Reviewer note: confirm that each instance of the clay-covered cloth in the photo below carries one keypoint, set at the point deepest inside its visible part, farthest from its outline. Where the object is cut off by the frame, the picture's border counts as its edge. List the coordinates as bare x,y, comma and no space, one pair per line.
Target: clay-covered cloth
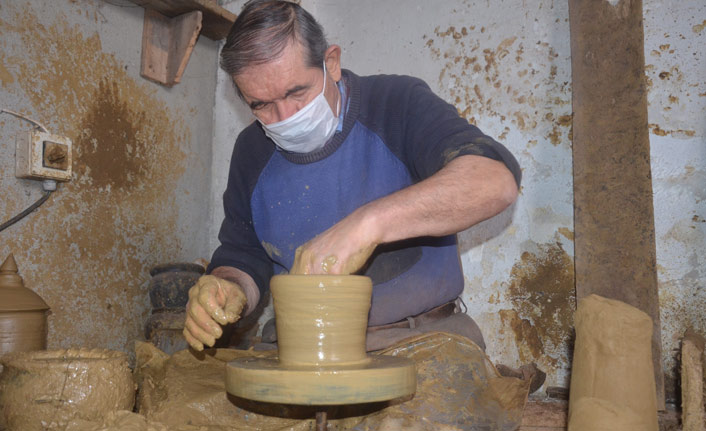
457,389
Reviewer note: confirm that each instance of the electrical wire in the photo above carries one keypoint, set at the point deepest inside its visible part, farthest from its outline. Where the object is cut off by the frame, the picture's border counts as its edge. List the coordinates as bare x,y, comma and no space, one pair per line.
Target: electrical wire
26,212
18,115
48,185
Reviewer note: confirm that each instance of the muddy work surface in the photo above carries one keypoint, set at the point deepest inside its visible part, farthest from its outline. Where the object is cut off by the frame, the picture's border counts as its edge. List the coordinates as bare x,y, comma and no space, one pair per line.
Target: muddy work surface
458,388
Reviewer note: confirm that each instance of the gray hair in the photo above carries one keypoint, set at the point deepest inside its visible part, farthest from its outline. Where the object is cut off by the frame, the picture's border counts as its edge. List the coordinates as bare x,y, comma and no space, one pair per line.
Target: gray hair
264,29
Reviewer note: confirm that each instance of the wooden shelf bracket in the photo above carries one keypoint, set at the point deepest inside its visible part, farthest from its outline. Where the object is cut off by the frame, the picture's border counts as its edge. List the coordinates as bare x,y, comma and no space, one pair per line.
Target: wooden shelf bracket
170,31
167,44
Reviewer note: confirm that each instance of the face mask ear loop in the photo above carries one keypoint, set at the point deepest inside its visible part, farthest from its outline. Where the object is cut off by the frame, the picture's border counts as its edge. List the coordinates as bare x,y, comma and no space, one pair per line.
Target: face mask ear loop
338,102
323,91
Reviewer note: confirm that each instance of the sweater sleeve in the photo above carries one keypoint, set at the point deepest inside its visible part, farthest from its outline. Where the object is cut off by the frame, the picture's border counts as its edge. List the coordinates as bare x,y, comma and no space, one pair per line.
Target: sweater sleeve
426,132
240,247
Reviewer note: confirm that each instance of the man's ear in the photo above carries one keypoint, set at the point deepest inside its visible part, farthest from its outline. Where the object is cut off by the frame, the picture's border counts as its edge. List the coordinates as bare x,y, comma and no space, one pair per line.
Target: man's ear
332,57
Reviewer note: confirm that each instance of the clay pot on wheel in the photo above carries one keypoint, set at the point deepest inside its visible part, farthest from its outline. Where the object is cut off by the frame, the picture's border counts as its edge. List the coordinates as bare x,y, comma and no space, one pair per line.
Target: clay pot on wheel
321,325
48,389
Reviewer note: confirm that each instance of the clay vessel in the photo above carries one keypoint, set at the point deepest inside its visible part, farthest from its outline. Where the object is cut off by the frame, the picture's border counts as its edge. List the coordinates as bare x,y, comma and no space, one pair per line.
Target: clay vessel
321,319
169,293
47,389
170,284
23,313
164,329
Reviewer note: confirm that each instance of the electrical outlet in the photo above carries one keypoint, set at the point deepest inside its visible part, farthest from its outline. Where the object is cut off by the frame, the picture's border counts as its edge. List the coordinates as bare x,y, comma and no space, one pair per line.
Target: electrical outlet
42,156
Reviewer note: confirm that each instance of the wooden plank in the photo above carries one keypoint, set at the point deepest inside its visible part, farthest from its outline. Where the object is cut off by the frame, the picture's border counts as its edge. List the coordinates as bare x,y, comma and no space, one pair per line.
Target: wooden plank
217,20
615,254
167,44
184,35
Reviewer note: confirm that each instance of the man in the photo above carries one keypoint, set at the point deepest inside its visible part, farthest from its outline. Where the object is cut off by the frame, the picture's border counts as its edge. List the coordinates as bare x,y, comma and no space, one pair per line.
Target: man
344,174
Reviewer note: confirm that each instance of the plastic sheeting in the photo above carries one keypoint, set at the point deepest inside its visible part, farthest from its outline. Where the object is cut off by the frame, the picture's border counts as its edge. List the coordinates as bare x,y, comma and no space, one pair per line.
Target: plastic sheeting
458,388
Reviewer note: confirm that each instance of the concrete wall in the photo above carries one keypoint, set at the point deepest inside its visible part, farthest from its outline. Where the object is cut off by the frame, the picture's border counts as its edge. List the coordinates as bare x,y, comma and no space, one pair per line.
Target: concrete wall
142,164
675,59
506,67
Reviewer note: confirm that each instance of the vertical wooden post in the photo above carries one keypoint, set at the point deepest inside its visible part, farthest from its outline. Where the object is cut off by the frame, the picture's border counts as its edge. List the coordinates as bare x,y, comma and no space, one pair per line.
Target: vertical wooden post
615,253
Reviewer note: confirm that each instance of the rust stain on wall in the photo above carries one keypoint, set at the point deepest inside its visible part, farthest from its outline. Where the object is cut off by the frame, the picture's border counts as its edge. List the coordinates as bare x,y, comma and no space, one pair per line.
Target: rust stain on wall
88,250
110,150
483,80
699,27
567,233
655,129
542,294
6,77
529,344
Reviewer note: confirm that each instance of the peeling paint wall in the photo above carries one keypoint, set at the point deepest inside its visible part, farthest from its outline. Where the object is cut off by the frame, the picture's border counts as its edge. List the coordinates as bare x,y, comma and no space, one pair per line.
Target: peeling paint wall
141,164
675,59
505,65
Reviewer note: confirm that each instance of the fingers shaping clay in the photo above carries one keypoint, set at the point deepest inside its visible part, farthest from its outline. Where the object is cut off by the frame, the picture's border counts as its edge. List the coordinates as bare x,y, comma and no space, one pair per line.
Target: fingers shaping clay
42,390
612,379
321,324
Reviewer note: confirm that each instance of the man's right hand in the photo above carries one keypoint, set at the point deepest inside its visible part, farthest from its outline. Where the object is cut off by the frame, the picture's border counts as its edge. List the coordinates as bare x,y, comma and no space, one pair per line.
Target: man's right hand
212,301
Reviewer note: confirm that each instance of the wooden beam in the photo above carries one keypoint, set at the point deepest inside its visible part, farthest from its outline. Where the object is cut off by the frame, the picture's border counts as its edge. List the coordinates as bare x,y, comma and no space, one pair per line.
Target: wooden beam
217,20
615,254
167,44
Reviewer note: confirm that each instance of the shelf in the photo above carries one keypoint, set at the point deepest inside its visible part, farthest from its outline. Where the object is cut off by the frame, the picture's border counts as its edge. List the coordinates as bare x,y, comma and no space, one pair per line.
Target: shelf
170,31
217,20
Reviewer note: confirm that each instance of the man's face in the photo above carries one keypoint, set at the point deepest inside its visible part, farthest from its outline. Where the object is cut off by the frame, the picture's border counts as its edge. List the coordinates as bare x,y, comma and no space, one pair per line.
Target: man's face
278,89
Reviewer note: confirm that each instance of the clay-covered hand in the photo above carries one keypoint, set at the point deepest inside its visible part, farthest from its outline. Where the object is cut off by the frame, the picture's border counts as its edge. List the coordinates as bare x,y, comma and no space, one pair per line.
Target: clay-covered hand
212,301
342,249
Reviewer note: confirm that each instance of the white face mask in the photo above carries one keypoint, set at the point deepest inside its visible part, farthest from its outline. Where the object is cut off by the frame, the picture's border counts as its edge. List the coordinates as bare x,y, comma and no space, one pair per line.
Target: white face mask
308,129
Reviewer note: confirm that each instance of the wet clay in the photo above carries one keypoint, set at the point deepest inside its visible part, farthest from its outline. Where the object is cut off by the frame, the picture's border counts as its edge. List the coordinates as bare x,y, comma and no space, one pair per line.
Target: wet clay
321,320
458,389
62,386
353,264
321,326
381,378
612,374
118,421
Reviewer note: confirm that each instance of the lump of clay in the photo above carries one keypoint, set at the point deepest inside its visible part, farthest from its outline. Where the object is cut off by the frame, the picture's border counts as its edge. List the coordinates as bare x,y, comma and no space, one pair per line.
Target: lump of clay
612,374
62,386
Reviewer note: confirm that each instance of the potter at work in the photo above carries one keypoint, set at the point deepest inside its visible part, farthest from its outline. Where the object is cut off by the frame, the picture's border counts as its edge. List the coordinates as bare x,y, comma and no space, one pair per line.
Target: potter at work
408,215
344,174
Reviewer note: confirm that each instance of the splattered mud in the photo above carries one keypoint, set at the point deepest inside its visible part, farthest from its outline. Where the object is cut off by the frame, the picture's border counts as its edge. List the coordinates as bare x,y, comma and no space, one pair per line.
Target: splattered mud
115,219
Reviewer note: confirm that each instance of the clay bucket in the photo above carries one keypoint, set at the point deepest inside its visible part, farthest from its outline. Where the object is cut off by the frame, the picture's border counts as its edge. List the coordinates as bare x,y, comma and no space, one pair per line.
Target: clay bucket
321,319
42,390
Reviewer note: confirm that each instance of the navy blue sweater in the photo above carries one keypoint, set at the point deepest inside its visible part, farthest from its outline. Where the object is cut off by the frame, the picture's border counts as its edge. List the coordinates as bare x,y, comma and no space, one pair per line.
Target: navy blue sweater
396,132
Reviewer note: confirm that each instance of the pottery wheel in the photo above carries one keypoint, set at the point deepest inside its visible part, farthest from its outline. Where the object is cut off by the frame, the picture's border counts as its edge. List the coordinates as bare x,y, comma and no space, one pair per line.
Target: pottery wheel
265,379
